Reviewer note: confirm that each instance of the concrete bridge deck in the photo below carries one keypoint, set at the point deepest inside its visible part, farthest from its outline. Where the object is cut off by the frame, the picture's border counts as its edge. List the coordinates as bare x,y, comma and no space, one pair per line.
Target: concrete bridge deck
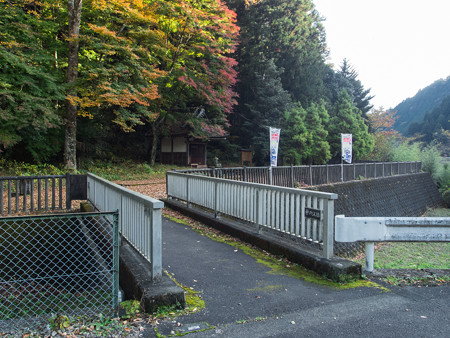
245,298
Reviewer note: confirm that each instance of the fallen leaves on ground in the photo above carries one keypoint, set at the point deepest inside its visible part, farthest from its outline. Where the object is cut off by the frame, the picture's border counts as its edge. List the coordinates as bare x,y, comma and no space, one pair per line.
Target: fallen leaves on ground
155,188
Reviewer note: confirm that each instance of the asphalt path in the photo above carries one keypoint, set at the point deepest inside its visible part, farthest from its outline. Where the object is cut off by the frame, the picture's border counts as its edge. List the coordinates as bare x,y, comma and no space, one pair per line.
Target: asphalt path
246,299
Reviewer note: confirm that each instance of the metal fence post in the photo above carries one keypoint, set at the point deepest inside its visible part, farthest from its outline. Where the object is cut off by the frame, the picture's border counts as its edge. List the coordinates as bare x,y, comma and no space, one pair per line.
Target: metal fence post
68,200
116,262
370,253
245,174
156,240
328,229
292,176
188,204
270,176
216,197
328,175
258,210
167,184
310,175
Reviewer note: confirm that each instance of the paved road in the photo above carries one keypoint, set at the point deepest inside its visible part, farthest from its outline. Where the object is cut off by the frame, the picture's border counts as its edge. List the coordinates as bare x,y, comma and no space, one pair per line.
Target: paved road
244,299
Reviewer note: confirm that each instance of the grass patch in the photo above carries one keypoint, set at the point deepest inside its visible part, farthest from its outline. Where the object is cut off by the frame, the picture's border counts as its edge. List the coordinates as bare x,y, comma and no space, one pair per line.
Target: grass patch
413,255
438,212
417,281
405,255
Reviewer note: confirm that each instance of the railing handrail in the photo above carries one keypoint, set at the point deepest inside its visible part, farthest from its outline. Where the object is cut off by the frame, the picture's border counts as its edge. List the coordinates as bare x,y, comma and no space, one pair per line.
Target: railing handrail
311,175
295,166
156,204
140,221
5,178
318,194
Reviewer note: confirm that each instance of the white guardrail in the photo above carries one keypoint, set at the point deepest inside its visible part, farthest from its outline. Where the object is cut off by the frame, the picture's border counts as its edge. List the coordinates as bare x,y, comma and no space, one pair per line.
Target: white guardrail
300,213
390,229
139,218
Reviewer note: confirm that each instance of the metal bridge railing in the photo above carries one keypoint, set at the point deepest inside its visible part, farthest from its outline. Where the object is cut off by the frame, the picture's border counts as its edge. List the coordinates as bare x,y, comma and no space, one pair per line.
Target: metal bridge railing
140,218
24,194
298,176
57,264
297,213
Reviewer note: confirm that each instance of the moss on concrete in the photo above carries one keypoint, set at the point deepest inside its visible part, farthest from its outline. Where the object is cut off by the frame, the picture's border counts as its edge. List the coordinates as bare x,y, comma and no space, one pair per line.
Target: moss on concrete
194,302
278,265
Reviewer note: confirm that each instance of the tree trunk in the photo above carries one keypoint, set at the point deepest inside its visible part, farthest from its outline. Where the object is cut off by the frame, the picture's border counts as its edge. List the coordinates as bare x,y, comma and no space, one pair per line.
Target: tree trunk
155,137
70,142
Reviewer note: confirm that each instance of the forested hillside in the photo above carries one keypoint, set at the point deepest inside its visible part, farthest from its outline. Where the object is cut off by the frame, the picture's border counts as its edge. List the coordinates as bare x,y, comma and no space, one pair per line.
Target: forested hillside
105,79
435,126
411,112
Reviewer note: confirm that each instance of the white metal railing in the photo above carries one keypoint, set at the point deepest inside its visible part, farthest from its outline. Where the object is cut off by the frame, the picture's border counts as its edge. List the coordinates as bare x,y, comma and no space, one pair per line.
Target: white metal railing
300,213
310,174
391,229
139,217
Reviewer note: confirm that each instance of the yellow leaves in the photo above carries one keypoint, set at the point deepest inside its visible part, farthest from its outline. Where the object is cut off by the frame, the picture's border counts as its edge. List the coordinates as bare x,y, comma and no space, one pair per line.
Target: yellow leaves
102,30
84,113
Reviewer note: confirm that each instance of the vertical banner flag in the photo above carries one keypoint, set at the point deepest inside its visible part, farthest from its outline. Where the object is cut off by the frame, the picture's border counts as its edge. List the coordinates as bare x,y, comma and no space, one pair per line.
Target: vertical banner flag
346,147
274,140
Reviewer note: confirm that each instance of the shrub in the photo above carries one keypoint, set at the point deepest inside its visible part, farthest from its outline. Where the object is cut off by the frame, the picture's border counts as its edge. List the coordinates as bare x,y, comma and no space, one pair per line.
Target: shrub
431,158
446,197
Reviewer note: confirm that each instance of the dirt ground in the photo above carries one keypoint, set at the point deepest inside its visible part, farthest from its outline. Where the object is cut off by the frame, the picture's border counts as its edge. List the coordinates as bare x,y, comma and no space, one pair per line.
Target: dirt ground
155,188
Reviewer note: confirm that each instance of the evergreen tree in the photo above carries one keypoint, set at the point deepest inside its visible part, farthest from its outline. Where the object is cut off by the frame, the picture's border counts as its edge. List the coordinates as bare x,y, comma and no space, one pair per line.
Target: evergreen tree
290,35
346,118
347,78
265,105
289,32
317,149
305,136
31,83
293,141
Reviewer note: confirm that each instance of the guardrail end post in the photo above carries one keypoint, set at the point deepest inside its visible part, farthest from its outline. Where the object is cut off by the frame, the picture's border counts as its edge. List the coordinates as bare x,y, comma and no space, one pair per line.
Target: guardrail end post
370,253
156,248
328,229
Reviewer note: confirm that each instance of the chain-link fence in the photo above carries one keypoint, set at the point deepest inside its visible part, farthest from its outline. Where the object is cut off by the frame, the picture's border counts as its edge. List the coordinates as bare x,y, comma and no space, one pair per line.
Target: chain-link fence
57,265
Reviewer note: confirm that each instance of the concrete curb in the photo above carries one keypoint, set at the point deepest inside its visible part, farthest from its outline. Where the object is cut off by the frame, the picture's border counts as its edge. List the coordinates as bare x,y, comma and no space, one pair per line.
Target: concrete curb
136,282
335,268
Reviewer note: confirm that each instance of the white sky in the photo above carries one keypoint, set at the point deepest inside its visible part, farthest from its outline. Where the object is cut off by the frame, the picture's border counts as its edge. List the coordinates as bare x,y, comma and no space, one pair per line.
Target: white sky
396,46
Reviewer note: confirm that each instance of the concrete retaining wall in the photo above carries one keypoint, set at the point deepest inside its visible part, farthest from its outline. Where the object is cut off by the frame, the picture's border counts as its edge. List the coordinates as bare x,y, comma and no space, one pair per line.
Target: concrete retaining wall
397,196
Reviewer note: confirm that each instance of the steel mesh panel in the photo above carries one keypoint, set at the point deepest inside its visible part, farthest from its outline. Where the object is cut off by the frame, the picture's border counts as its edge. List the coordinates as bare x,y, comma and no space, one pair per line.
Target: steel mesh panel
58,264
